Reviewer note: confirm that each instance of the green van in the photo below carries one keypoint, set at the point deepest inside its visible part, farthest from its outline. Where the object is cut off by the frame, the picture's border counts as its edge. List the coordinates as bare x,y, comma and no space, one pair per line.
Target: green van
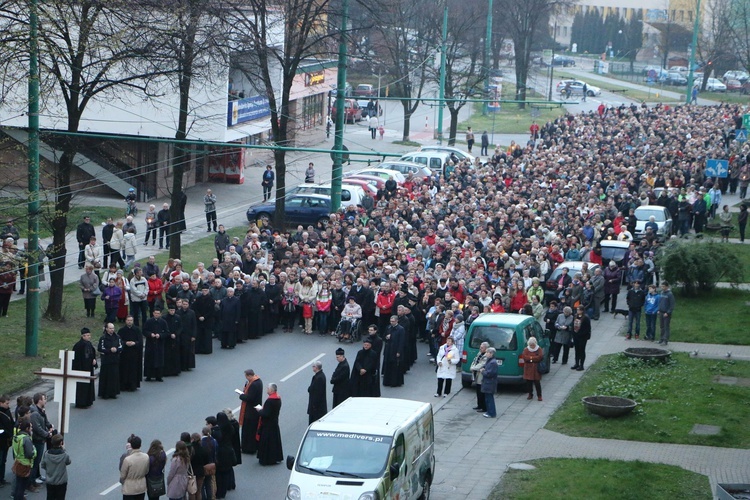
508,334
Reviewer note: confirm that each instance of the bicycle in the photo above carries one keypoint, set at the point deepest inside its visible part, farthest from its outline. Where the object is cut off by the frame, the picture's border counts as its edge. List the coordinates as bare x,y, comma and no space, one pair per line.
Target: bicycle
566,94
132,208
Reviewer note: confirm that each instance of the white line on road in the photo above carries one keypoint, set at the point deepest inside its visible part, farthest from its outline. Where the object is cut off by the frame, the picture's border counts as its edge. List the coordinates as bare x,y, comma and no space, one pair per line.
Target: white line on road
306,365
117,485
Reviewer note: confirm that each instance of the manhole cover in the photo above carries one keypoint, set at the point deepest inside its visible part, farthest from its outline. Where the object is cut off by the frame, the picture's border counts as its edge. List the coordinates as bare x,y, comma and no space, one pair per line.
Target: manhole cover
725,380
705,430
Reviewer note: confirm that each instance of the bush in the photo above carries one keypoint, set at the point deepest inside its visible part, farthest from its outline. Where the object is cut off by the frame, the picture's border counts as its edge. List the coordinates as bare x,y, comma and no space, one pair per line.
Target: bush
699,265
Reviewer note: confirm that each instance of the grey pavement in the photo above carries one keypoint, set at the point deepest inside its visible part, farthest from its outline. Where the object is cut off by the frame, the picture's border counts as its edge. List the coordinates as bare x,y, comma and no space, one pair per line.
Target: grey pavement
517,433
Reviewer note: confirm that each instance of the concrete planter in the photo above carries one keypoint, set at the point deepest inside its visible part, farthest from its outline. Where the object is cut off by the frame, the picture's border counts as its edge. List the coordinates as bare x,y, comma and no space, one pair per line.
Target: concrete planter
609,406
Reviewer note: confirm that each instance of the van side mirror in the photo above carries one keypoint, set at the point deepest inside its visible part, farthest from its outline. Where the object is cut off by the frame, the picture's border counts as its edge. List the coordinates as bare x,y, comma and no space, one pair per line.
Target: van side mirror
394,470
289,462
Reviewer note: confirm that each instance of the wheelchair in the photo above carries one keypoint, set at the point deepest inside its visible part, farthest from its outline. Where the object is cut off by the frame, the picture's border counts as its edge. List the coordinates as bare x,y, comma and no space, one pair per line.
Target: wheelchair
350,328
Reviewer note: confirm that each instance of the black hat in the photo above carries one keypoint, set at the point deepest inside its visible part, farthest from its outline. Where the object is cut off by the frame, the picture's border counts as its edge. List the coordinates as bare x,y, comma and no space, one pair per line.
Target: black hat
85,330
367,341
404,288
211,420
205,286
339,352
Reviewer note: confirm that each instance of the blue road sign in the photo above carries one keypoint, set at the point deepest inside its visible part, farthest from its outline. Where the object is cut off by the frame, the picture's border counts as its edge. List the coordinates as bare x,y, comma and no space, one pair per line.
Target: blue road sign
717,168
740,135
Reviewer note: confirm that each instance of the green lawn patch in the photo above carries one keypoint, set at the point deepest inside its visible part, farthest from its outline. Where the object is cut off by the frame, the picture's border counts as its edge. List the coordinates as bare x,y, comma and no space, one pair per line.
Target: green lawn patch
17,210
17,370
672,397
575,478
510,119
721,317
728,97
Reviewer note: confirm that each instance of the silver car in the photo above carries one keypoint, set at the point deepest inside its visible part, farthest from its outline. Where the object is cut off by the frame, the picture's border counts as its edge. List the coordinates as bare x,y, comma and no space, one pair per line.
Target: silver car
662,218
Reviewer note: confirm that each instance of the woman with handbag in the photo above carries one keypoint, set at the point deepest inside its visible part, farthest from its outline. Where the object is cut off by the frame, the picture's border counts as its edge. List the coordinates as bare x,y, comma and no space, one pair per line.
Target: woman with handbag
198,462
532,355
24,453
177,481
155,478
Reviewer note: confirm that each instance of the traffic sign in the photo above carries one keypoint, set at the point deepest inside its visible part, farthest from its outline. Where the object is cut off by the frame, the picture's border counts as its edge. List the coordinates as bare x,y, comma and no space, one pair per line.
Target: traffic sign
746,121
717,168
740,135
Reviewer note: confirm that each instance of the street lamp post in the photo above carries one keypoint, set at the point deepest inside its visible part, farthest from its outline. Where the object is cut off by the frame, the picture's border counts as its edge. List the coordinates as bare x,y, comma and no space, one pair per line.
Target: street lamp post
488,51
696,27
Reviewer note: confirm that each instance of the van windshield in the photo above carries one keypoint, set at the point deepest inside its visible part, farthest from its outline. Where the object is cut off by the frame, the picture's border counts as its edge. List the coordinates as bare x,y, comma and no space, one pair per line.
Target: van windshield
501,338
342,453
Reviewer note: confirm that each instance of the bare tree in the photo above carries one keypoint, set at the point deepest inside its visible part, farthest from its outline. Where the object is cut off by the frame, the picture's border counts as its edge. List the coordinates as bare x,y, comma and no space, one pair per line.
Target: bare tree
407,46
88,50
713,48
275,37
740,31
464,77
524,20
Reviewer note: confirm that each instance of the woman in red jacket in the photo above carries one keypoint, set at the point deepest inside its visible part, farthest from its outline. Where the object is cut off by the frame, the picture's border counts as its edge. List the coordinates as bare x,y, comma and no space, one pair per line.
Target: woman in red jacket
519,299
155,290
532,355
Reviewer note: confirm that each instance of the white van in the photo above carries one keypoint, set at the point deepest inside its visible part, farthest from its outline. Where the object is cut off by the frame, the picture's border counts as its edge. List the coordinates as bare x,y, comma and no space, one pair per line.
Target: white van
351,194
435,160
366,449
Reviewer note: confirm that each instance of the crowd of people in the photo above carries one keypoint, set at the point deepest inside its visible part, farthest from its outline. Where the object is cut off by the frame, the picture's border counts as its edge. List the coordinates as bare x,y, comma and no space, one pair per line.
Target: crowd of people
421,263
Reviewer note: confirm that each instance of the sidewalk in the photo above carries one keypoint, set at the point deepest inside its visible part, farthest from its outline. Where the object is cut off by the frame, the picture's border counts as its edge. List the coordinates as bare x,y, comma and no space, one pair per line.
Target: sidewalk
518,433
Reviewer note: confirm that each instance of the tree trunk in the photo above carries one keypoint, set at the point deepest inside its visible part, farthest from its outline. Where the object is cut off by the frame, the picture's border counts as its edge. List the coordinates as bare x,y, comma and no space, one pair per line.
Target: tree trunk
59,229
279,158
407,120
453,125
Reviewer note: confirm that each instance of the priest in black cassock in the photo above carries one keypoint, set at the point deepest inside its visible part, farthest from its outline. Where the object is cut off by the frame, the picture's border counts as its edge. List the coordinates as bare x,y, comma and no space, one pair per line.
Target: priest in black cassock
394,355
189,324
172,366
364,381
155,330
85,361
131,359
109,349
204,312
340,379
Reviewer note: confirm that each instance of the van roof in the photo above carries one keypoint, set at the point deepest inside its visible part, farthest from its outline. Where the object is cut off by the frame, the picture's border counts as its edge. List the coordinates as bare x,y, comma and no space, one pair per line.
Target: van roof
381,416
507,319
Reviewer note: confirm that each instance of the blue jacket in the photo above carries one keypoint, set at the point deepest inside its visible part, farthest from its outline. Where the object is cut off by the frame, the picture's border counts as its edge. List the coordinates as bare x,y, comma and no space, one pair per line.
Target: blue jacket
652,303
489,377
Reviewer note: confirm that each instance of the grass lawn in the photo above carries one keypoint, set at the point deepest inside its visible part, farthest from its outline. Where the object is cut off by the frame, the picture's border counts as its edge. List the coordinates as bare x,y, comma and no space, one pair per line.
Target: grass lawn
19,213
668,406
638,95
729,97
574,478
509,120
17,369
722,317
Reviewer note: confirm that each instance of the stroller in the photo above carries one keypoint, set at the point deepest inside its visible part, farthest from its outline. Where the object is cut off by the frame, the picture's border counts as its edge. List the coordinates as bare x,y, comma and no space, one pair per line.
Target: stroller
348,329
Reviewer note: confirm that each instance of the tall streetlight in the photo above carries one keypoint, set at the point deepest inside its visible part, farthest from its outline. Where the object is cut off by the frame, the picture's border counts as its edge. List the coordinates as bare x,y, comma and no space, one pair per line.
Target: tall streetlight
441,91
487,51
696,27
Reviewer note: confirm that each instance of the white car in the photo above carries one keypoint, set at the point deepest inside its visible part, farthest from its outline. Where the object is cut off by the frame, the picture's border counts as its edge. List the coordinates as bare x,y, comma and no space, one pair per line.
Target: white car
740,75
576,88
382,173
462,155
662,218
713,85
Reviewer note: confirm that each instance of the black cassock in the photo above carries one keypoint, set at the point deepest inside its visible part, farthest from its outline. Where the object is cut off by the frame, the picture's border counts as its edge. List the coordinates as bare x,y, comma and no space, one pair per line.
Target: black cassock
394,356
131,359
109,373
340,381
256,298
172,366
270,451
153,359
187,339
204,308
249,416
367,385
317,405
85,356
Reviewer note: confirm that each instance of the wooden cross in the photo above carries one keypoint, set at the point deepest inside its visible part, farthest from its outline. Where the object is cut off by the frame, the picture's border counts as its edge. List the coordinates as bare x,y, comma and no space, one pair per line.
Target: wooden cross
65,379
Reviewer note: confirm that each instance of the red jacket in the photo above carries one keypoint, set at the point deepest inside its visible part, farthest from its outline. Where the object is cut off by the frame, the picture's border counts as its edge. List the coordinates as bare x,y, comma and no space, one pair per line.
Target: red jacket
384,301
155,288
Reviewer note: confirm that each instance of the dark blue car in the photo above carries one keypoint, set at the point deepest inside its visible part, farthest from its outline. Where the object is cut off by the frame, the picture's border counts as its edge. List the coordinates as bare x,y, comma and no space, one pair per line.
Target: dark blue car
303,209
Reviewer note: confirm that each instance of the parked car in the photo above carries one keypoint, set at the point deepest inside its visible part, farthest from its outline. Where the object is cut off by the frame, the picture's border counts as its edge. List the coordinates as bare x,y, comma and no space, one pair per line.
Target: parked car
302,209
564,61
383,174
713,85
351,194
574,266
352,111
675,78
365,90
406,168
740,75
460,154
733,85
434,160
614,250
680,69
576,88
372,180
369,187
508,334
348,91
663,221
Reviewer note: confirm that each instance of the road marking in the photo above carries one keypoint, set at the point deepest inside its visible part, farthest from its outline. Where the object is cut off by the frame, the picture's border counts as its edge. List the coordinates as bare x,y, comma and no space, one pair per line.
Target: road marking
306,365
117,485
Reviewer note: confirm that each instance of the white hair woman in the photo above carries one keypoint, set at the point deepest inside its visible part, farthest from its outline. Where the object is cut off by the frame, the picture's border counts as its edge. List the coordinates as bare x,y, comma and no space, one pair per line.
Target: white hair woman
532,355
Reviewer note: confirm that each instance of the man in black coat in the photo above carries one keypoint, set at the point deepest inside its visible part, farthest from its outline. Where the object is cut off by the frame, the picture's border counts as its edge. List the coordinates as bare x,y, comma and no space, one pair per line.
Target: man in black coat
581,335
189,330
172,366
368,303
109,349
317,403
230,318
364,382
204,311
131,359
251,396
84,233
107,231
221,243
256,301
340,379
85,361
162,221
394,354
156,331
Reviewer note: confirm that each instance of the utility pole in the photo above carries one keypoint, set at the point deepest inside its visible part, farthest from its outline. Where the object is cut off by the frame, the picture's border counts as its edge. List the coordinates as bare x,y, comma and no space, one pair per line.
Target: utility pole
487,52
694,48
443,48
552,60
338,142
32,275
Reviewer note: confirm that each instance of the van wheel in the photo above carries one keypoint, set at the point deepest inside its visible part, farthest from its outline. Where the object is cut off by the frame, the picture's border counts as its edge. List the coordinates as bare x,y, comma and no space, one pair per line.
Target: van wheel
465,383
425,490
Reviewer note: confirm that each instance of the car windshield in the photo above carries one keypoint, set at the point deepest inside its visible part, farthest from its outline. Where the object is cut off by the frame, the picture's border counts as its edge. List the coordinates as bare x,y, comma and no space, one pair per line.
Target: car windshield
643,214
342,453
501,338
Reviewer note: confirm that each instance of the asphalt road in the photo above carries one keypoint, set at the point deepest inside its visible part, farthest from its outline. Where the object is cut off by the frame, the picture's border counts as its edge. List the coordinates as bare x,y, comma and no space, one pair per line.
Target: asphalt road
164,410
